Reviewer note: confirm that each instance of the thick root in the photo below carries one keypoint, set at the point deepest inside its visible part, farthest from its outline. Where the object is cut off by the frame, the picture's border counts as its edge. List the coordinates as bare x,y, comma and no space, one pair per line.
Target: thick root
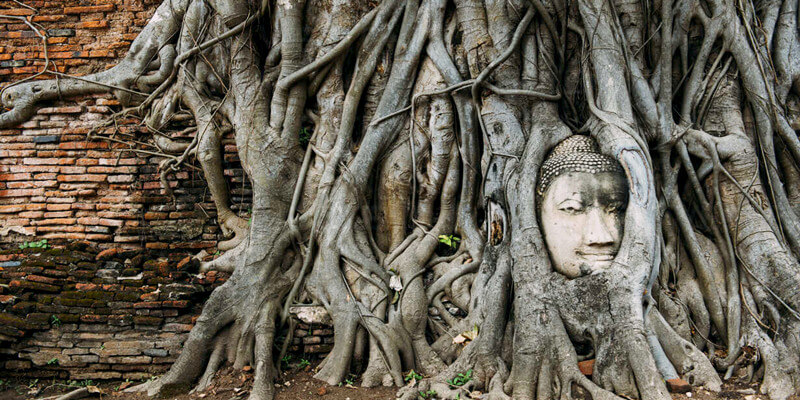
227,262
692,364
237,229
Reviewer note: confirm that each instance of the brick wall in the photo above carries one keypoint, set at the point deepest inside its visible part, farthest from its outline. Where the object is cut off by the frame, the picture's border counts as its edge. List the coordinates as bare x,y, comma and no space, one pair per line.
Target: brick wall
78,313
82,314
117,296
57,185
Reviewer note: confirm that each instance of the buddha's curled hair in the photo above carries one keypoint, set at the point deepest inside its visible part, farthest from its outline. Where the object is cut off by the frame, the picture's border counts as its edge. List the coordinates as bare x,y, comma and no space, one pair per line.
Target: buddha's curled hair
577,153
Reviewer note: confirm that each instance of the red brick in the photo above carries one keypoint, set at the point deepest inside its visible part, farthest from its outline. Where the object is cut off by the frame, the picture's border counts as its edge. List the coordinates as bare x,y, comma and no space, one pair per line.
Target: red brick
11,208
58,214
102,54
15,177
82,145
32,168
586,367
94,318
66,236
31,184
99,221
61,110
176,303
89,9
82,178
87,161
108,102
18,11
48,18
106,254
21,192
60,228
147,304
41,279
48,161
97,237
54,221
678,385
85,286
93,25
72,170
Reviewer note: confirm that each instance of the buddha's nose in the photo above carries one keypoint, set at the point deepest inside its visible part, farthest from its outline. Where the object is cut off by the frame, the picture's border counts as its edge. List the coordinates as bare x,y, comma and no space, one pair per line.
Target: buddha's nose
598,231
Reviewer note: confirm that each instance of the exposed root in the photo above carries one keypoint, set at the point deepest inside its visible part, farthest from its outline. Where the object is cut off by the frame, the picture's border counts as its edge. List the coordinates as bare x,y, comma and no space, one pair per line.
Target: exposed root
236,228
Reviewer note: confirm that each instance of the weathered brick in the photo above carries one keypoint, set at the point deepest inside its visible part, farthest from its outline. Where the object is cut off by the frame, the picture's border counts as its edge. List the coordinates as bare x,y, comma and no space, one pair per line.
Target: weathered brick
99,221
89,9
15,177
82,178
18,11
93,25
61,32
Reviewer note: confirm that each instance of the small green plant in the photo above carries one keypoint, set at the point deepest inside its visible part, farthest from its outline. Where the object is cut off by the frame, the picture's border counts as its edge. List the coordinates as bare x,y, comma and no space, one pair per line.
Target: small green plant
350,380
55,321
41,244
303,363
285,360
449,240
412,375
53,361
460,379
32,383
305,136
427,394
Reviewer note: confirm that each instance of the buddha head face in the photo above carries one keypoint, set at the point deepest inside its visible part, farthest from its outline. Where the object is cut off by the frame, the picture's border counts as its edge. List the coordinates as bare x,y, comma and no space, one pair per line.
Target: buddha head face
582,196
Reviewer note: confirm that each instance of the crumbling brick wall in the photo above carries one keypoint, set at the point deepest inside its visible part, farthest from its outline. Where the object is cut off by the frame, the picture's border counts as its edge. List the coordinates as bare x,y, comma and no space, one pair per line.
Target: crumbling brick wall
79,313
76,312
58,185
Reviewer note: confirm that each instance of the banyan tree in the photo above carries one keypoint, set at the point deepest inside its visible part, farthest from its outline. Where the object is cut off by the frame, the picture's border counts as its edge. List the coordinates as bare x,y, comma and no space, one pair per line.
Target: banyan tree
617,180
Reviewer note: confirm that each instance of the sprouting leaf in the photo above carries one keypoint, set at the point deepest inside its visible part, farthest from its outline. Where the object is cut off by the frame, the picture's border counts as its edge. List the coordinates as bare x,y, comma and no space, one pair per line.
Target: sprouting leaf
449,240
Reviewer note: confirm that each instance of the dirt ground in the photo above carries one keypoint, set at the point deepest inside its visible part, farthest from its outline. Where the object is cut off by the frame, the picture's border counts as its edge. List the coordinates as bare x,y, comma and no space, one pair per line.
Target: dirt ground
296,384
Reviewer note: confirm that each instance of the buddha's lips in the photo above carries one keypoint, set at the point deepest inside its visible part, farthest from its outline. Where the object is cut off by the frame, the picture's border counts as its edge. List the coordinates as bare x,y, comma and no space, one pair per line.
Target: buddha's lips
598,256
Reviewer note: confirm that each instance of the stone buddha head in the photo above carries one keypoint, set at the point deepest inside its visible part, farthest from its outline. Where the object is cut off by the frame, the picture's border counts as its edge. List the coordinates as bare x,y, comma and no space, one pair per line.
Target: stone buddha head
581,196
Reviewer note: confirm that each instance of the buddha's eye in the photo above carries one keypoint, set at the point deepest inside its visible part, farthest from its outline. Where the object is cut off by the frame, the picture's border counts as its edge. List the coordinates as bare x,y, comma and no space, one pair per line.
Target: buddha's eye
615,208
571,207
